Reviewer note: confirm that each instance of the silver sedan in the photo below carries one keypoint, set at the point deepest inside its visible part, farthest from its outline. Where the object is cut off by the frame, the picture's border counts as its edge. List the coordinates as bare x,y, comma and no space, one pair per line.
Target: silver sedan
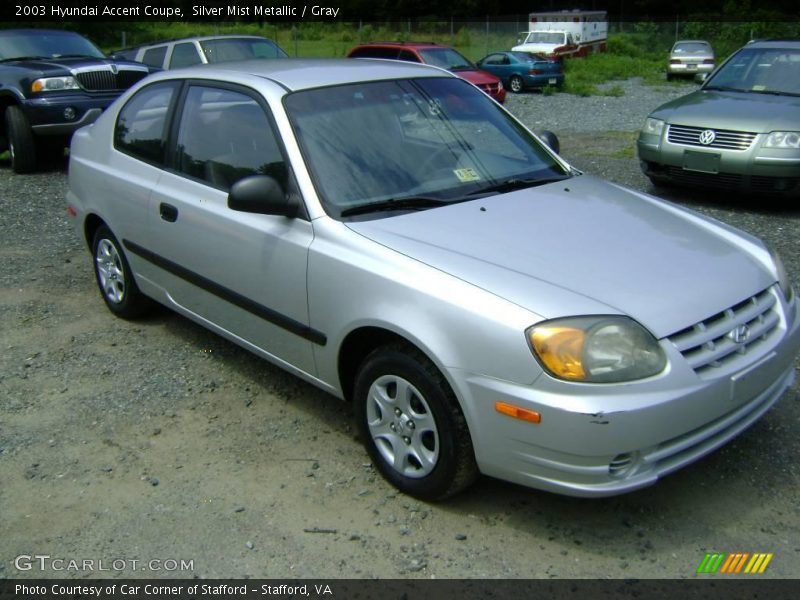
389,233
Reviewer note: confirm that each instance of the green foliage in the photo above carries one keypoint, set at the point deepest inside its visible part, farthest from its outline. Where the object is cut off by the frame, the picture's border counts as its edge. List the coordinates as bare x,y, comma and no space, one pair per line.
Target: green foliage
614,91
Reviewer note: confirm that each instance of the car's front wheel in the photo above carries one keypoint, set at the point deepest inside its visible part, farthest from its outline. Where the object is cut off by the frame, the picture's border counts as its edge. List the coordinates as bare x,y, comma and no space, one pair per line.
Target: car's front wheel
515,84
412,425
21,143
115,278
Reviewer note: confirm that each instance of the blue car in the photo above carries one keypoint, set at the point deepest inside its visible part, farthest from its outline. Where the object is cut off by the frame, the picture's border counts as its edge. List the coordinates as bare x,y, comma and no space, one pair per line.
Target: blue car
520,70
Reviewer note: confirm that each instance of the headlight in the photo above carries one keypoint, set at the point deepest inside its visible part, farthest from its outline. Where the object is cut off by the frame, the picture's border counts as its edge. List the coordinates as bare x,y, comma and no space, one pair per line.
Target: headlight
52,84
783,139
596,349
653,126
783,276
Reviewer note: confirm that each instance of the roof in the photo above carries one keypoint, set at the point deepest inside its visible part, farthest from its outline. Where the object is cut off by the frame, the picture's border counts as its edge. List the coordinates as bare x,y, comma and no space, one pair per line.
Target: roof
298,73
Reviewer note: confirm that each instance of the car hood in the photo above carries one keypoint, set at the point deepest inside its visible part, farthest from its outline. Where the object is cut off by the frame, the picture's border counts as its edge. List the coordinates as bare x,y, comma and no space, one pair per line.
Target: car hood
740,111
537,48
584,246
60,65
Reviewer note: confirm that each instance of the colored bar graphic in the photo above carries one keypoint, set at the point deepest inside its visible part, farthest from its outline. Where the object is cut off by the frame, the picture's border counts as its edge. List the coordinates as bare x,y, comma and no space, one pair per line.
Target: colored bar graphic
734,563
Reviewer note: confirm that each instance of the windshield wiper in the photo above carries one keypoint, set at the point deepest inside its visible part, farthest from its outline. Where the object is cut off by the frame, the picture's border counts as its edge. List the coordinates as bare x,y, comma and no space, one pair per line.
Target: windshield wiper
723,88
510,185
774,93
405,203
25,58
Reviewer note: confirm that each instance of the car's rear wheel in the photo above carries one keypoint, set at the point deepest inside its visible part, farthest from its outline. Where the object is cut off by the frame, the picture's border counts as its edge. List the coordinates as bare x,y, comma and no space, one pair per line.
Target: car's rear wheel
21,143
411,424
115,278
515,84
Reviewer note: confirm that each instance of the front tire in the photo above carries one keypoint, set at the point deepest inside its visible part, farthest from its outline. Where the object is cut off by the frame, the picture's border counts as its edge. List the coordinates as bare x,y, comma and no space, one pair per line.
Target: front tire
21,143
411,424
115,278
515,84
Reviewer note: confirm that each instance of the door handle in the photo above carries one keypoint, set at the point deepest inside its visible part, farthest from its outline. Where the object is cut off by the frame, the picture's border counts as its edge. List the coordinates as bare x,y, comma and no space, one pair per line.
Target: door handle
168,212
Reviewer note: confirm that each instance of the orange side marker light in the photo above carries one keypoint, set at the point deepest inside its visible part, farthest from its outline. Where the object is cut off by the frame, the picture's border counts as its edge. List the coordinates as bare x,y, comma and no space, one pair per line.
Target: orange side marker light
515,412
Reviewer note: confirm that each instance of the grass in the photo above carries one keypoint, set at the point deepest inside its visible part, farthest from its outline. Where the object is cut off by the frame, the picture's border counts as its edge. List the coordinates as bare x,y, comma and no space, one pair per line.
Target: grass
639,51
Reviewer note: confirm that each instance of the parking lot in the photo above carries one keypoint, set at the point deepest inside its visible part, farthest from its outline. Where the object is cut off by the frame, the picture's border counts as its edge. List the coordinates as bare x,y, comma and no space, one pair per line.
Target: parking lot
156,443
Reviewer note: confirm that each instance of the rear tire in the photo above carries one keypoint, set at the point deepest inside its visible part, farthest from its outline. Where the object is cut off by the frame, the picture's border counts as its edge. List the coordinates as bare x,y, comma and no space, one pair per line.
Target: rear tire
115,278
21,143
516,84
411,424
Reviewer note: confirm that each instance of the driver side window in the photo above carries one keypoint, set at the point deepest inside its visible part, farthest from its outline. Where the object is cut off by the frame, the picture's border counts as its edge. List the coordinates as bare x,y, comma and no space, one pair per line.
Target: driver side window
225,136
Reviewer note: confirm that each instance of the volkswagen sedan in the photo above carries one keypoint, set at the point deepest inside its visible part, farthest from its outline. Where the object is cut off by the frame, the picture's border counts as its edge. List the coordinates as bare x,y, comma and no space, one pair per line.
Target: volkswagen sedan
740,131
390,234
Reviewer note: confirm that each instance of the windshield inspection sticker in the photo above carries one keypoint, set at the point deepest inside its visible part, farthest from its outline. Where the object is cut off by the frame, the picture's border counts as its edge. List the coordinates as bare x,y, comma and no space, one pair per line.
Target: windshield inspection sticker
466,175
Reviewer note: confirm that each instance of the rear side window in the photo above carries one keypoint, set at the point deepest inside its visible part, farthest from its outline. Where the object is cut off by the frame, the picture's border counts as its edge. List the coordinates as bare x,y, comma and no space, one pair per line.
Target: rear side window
155,56
408,56
224,136
184,55
374,53
141,128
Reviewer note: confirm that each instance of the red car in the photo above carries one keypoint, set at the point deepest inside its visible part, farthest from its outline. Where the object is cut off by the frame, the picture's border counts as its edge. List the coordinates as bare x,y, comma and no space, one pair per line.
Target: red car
433,54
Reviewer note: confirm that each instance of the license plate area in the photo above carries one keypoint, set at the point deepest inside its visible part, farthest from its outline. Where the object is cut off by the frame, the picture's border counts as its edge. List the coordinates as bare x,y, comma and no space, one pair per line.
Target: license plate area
704,162
552,81
748,384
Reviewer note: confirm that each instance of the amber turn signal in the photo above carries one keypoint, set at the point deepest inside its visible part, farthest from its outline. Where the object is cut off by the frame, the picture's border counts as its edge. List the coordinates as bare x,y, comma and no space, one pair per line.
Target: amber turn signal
523,414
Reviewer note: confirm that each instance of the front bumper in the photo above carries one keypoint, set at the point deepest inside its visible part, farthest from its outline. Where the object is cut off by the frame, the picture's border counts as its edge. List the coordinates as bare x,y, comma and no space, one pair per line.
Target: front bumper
64,114
596,441
756,169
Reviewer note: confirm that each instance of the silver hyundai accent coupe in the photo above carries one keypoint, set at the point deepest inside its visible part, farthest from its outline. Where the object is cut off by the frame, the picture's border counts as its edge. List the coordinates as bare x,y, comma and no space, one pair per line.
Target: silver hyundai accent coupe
389,233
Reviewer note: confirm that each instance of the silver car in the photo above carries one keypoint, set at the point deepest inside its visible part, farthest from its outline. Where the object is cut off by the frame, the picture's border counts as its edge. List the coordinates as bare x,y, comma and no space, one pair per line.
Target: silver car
740,131
690,57
390,234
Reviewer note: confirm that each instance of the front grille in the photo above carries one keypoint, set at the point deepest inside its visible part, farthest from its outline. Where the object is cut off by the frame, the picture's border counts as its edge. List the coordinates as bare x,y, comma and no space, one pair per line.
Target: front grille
712,343
730,181
105,80
723,138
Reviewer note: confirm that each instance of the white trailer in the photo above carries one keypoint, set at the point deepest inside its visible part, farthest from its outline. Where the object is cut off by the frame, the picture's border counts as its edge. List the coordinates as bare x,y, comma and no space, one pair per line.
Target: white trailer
565,34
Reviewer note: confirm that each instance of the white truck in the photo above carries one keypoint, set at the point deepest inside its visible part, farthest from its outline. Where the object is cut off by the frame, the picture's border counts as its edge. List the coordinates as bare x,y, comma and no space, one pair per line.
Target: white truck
565,34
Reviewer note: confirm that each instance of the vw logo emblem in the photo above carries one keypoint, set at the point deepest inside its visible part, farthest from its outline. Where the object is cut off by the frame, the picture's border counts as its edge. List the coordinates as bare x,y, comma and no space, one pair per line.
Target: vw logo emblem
740,335
707,136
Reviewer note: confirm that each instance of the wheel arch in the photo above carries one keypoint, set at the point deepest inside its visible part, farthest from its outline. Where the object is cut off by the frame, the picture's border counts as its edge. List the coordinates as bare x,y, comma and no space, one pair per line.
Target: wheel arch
359,343
91,224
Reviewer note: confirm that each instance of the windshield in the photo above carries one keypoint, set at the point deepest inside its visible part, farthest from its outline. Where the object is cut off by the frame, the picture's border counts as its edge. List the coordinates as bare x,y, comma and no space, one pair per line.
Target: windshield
692,48
45,44
763,70
446,58
228,49
437,139
545,37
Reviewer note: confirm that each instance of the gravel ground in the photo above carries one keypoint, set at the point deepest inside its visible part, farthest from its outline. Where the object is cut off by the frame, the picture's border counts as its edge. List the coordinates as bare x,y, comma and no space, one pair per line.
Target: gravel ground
156,440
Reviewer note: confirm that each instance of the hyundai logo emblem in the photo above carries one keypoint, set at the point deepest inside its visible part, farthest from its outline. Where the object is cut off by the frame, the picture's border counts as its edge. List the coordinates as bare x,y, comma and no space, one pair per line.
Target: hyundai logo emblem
740,335
707,137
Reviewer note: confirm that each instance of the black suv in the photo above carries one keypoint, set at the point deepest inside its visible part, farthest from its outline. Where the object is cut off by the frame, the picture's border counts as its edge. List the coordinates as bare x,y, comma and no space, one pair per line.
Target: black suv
51,83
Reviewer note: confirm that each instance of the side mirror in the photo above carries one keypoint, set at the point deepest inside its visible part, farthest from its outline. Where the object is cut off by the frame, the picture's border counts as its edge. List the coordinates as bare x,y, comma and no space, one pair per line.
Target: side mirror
700,77
550,138
260,194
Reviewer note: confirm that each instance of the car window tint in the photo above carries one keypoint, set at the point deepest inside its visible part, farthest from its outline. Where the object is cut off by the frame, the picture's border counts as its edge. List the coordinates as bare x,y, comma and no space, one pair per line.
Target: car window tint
141,124
184,55
408,56
155,56
224,136
494,59
375,53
